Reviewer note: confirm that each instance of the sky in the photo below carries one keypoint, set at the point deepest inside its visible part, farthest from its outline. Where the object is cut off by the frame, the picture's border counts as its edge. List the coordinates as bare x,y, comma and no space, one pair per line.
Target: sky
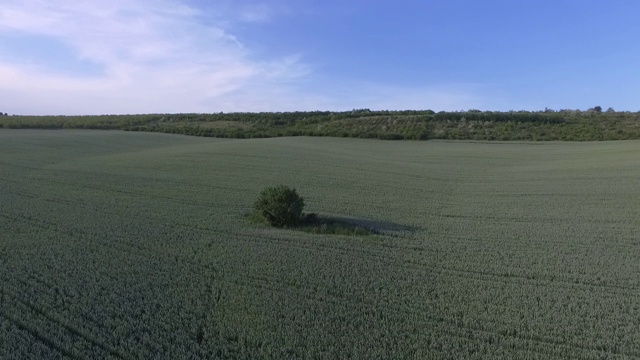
90,57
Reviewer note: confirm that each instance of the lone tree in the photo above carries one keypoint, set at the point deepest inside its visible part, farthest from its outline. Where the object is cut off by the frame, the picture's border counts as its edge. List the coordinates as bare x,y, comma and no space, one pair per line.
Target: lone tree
280,205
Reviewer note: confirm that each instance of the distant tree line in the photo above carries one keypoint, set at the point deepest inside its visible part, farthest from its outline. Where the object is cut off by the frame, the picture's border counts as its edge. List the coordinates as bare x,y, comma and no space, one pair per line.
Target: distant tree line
573,125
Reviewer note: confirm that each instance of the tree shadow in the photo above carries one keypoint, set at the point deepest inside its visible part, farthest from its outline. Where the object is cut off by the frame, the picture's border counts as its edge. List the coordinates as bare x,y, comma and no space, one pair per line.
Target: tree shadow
341,225
344,225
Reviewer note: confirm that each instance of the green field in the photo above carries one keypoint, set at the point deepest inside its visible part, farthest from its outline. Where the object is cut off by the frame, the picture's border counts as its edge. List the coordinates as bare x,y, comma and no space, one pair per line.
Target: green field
128,245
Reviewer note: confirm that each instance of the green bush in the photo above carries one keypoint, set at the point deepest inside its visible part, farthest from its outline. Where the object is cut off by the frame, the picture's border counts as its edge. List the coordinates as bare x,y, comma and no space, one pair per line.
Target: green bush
280,205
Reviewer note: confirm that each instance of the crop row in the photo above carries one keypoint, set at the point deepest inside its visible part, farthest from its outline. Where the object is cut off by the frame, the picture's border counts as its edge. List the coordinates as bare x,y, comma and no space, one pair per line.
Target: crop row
505,250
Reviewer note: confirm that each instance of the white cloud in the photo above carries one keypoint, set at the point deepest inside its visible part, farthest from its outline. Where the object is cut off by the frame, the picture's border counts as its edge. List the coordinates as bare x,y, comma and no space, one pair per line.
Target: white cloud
256,13
156,56
162,56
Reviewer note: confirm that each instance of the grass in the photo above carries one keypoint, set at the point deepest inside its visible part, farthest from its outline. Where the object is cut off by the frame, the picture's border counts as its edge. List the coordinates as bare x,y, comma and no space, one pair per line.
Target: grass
136,245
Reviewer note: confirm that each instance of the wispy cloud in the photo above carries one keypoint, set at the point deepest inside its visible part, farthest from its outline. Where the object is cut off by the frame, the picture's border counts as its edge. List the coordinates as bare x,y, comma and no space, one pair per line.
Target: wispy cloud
155,56
256,13
165,56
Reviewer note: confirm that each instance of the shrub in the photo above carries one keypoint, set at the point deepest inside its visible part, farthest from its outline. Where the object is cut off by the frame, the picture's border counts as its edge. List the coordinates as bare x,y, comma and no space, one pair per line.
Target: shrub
280,205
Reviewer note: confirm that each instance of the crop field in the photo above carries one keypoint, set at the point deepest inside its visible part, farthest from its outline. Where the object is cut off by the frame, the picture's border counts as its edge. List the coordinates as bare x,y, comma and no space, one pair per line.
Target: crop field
128,245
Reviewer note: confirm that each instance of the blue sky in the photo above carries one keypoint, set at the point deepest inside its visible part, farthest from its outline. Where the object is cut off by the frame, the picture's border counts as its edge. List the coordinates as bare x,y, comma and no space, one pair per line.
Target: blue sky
168,56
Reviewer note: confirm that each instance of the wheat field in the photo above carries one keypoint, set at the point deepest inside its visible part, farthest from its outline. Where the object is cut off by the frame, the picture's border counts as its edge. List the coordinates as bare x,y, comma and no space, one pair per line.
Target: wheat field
124,245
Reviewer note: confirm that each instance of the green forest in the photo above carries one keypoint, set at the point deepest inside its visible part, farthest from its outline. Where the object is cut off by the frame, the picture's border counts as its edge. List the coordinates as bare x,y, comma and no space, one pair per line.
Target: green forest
568,125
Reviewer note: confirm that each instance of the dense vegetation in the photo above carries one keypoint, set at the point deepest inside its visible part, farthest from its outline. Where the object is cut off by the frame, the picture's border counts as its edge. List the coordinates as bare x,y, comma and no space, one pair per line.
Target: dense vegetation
280,206
574,125
125,245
